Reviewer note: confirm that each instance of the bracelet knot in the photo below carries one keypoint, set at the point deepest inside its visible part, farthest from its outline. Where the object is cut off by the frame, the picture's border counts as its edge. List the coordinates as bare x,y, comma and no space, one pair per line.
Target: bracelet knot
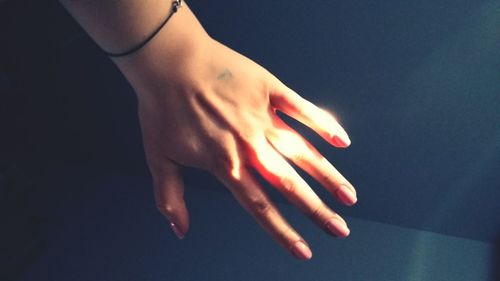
176,4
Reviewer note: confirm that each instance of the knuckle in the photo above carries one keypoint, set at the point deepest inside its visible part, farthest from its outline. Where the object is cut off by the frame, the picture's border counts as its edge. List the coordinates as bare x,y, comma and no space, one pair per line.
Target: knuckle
287,185
317,213
260,207
300,156
165,209
221,161
246,135
289,237
330,177
224,156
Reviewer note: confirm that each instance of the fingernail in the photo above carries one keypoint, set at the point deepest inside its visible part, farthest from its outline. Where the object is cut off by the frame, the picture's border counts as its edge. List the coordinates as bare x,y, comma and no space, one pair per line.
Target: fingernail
301,251
342,142
347,195
176,230
338,227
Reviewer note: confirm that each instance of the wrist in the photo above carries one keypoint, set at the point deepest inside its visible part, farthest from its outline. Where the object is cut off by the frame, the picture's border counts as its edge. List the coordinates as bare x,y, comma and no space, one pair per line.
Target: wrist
117,26
181,41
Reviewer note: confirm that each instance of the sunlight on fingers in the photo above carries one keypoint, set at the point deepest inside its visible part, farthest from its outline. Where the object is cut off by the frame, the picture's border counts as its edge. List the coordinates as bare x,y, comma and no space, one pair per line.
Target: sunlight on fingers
289,143
270,159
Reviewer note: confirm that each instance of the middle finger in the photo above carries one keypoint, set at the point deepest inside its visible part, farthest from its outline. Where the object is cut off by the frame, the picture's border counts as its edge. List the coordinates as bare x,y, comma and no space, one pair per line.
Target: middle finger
294,147
276,170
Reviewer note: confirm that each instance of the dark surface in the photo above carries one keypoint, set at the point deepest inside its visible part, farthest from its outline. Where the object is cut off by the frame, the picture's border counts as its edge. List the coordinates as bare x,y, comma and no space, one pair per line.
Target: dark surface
117,234
416,85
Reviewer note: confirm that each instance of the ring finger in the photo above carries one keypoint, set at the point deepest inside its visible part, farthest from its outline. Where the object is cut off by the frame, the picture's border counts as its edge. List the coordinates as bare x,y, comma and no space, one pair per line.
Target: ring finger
276,170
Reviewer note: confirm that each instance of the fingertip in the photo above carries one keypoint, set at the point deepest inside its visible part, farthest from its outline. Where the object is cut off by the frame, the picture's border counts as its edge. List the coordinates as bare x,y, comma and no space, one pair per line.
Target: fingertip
341,142
178,219
346,194
177,231
337,227
301,251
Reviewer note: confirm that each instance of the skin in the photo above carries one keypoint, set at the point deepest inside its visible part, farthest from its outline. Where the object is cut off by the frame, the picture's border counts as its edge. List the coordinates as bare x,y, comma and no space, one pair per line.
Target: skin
201,104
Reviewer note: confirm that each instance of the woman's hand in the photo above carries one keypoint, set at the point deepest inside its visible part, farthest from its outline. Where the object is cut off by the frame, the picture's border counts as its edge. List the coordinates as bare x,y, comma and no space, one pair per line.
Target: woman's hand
204,105
216,110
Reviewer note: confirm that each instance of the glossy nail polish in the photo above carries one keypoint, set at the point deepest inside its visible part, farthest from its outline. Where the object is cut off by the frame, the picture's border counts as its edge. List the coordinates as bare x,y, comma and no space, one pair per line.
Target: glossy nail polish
337,227
176,230
347,195
342,142
301,251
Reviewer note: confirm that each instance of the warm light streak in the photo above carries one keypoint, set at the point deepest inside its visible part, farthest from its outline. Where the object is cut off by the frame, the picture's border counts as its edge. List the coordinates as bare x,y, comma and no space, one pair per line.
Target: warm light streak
289,144
269,158
235,171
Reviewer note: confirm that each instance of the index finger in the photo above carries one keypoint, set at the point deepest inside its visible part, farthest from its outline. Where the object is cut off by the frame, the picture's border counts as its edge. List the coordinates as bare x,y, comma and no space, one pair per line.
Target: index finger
322,122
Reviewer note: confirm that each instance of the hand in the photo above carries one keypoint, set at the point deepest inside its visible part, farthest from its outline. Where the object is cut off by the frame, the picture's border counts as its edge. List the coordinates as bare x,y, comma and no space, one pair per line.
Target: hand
203,105
215,109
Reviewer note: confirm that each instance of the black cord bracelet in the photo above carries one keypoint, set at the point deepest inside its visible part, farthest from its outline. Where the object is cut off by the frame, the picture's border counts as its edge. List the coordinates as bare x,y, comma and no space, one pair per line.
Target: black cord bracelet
176,4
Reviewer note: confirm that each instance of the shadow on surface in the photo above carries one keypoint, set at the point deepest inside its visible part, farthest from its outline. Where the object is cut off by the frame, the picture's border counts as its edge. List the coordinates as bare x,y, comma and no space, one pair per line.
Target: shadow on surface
22,238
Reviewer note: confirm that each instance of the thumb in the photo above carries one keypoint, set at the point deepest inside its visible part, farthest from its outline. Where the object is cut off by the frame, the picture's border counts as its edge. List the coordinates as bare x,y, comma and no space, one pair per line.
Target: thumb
169,197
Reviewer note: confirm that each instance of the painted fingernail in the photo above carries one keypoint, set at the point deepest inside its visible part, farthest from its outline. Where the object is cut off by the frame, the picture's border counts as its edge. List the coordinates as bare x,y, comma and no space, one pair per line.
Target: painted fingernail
176,230
301,251
338,227
342,142
347,195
